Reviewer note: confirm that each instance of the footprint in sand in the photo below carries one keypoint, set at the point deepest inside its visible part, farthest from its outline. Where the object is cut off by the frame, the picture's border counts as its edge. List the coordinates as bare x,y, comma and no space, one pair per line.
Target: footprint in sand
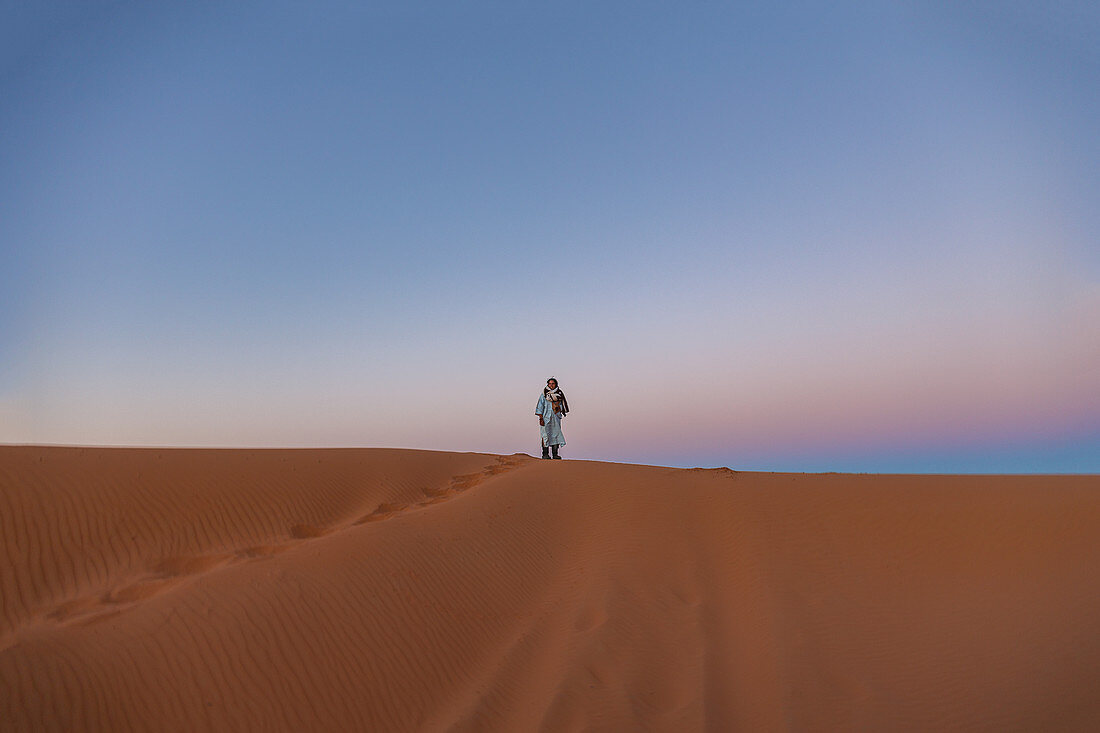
260,552
169,572
308,531
436,495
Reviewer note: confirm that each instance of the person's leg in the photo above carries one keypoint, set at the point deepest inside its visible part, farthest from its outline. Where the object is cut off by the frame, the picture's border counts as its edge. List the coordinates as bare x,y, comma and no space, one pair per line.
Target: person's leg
555,449
546,451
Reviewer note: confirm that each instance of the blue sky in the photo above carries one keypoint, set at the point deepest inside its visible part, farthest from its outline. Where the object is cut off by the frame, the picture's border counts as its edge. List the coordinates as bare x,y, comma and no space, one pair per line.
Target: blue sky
851,236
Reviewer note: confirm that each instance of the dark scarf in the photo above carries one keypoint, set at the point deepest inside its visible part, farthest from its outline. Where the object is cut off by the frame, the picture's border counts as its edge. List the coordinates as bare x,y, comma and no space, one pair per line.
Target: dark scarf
560,398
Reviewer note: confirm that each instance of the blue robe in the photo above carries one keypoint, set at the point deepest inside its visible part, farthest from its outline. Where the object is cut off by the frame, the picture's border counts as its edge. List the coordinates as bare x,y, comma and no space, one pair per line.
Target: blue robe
551,431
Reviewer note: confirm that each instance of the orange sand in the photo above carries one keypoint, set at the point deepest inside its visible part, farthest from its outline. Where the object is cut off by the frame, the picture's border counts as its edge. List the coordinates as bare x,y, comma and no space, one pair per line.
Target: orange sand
391,590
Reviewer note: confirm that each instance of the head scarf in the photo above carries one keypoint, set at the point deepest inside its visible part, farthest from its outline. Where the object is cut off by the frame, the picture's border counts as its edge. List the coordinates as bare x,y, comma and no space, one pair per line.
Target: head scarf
556,397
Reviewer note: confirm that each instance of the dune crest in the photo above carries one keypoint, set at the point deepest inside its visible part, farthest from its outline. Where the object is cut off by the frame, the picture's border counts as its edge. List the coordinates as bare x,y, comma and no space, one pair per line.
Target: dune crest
379,589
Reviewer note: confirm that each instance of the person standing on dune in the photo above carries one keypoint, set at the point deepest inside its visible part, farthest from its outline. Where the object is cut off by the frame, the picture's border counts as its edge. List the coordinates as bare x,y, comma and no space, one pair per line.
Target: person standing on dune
551,408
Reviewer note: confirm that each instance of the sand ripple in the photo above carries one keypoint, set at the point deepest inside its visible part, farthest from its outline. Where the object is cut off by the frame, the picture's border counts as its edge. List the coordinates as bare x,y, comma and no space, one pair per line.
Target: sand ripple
375,589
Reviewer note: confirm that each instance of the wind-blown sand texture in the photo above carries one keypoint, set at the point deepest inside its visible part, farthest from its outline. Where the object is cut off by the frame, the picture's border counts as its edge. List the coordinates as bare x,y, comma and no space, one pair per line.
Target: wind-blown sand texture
393,590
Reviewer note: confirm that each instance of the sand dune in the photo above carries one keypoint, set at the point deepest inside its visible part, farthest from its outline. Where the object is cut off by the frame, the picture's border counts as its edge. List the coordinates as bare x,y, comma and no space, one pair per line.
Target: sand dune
391,590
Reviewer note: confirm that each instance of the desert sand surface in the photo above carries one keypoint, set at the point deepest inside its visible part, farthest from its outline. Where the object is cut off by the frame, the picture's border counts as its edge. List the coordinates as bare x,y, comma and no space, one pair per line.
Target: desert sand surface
403,590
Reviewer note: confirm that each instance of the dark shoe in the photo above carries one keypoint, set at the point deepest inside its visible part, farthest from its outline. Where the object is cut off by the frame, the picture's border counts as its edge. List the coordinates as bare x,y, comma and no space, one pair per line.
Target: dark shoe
545,452
555,449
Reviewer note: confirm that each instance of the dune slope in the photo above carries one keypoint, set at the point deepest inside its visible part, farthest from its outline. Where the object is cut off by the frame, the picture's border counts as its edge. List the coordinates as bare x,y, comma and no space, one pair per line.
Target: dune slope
376,589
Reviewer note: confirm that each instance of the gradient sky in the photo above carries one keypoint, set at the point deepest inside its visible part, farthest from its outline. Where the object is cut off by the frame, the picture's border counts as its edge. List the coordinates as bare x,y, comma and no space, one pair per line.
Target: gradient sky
822,236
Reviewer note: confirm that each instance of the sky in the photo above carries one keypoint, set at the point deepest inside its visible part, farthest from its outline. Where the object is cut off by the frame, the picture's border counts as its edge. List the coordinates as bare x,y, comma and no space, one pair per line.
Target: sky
852,236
